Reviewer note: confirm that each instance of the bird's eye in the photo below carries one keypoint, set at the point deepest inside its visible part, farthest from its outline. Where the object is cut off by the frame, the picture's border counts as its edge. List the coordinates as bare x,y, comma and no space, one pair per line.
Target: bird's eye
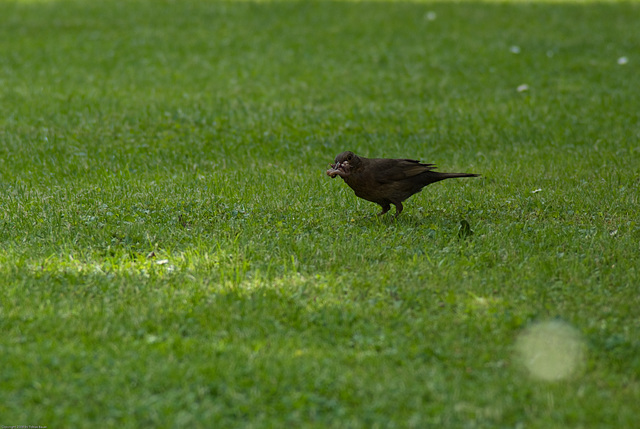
349,157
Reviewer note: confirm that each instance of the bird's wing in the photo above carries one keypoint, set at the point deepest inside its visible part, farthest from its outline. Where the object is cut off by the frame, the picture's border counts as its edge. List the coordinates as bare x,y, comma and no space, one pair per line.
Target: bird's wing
393,170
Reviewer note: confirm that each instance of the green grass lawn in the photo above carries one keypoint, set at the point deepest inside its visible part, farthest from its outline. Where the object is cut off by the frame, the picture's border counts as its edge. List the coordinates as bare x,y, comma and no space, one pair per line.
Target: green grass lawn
172,254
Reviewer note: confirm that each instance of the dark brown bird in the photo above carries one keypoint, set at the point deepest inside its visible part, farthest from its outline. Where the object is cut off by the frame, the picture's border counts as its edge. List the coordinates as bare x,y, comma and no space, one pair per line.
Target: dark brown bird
386,181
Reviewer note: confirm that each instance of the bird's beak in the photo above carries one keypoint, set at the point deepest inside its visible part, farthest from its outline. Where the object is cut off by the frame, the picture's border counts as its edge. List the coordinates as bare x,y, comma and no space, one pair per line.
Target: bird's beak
339,169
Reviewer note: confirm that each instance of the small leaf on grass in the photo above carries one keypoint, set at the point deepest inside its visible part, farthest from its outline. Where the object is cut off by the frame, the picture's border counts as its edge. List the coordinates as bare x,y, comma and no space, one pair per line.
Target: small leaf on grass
465,229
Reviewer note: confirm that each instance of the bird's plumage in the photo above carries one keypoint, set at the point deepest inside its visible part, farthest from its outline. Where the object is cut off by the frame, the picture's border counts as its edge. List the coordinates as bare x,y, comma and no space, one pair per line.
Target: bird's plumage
386,181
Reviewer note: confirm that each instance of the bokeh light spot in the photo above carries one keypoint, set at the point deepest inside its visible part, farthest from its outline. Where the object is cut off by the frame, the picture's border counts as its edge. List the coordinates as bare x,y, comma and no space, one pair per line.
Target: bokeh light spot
551,350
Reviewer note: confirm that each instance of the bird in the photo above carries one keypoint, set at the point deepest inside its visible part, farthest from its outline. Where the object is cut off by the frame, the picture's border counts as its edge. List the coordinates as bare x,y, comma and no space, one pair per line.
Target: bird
386,181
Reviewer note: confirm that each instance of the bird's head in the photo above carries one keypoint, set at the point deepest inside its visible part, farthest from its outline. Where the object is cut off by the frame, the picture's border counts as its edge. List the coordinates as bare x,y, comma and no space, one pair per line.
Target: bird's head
345,163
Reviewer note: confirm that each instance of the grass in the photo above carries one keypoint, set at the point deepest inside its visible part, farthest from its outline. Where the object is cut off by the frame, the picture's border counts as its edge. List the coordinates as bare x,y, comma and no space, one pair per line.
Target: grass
172,254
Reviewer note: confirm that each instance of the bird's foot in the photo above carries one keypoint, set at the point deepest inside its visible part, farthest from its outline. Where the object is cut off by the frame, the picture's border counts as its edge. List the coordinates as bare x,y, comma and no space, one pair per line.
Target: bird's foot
384,211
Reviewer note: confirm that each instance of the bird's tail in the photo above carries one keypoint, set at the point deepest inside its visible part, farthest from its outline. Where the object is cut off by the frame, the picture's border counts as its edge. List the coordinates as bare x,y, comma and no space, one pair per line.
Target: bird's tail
435,176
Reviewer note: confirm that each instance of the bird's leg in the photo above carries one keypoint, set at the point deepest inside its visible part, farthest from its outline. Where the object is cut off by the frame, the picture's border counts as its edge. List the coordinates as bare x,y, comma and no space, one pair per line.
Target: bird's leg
398,209
385,208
